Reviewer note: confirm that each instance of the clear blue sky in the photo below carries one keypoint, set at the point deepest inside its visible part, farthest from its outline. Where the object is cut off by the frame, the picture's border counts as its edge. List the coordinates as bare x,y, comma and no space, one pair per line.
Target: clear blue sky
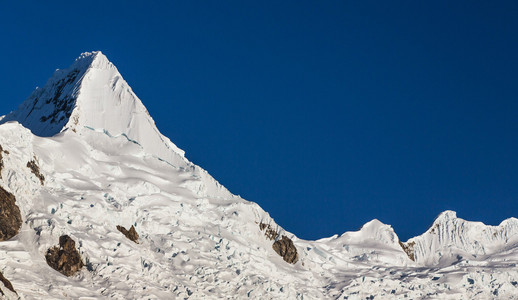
326,113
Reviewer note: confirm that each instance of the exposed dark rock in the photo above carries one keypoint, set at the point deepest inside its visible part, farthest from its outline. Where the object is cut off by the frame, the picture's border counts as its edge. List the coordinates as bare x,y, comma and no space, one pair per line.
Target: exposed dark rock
270,233
63,106
285,248
409,249
35,169
65,258
1,160
6,283
10,217
130,234
2,152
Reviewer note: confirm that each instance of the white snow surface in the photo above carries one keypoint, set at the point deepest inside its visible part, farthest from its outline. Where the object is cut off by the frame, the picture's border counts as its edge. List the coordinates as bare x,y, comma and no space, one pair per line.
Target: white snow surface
106,164
92,95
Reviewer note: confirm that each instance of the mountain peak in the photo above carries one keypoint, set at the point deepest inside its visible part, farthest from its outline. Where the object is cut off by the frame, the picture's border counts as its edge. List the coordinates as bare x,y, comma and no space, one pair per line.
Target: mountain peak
90,56
94,59
445,216
92,95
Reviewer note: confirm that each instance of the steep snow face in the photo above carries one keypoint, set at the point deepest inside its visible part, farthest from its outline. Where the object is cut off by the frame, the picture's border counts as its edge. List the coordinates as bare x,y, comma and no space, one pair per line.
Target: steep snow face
48,109
91,93
451,239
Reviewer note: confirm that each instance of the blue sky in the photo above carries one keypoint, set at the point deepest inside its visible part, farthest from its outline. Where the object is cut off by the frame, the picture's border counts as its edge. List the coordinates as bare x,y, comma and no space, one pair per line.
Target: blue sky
326,113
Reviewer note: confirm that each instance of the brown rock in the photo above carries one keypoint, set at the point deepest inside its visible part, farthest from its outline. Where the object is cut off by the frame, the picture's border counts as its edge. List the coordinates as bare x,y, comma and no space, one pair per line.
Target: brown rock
10,217
130,234
35,169
270,233
1,161
285,248
6,283
409,249
65,258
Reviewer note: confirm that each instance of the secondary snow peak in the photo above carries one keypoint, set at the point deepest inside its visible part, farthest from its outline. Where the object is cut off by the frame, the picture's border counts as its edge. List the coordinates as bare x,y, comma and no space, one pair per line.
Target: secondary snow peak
445,216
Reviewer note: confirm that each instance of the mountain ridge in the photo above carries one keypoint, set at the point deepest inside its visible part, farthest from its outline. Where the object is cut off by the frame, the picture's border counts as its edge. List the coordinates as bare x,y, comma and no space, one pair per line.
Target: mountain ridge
72,90
196,239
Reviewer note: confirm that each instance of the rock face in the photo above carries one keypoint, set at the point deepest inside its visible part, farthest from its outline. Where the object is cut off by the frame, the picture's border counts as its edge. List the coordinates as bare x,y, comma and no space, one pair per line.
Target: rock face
1,161
130,234
285,248
409,249
65,258
10,217
269,233
6,283
35,169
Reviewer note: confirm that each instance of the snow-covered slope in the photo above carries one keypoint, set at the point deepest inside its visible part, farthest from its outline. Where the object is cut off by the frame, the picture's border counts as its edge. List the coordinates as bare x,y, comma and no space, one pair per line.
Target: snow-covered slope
106,164
451,239
92,95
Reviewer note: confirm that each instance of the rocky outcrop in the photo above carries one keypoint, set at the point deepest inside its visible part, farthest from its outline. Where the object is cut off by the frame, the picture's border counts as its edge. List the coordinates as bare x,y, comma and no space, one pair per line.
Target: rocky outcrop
2,152
65,258
1,160
6,283
63,105
269,233
286,249
35,169
409,249
130,234
284,246
10,217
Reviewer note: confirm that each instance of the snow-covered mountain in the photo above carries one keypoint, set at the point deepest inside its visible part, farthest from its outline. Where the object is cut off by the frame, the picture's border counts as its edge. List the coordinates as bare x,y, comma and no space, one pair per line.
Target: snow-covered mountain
82,158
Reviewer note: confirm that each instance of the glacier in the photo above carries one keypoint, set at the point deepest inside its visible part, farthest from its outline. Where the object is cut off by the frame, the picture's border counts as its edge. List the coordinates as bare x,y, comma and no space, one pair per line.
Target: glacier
106,164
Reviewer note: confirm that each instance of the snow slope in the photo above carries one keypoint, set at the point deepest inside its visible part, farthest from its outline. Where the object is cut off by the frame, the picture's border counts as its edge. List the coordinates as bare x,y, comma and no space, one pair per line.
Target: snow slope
106,164
451,239
91,94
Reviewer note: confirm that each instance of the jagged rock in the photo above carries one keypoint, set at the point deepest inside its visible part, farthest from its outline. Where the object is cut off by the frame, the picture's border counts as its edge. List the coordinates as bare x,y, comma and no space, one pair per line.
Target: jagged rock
409,249
130,234
285,248
65,258
270,233
6,283
10,217
1,160
63,106
35,169
2,152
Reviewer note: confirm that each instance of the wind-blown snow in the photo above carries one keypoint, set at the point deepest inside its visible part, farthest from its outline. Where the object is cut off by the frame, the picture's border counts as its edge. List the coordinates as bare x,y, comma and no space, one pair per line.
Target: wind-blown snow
106,164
